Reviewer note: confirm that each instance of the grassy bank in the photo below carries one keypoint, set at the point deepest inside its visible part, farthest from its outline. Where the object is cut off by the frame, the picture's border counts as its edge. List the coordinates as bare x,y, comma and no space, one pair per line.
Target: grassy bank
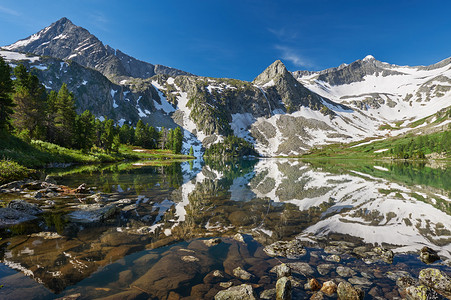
19,158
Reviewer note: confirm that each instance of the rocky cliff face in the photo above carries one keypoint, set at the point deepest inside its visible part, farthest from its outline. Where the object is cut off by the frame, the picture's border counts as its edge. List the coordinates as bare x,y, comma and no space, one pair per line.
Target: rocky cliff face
64,40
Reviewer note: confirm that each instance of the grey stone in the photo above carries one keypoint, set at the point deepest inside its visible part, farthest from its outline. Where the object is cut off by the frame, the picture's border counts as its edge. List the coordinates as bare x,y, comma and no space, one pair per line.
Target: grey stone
345,271
324,269
93,213
283,289
9,216
25,207
301,268
346,291
242,274
268,294
436,279
292,249
244,292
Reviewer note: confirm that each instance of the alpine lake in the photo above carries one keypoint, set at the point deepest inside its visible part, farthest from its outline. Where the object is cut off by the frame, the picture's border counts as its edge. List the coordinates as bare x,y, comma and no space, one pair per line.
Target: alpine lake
187,230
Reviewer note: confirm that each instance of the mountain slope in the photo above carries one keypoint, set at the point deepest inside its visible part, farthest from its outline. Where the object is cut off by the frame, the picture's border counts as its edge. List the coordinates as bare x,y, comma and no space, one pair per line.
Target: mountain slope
64,40
396,95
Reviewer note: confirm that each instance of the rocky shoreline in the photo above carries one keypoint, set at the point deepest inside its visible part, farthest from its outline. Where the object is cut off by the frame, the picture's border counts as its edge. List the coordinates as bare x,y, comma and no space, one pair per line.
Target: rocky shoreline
237,266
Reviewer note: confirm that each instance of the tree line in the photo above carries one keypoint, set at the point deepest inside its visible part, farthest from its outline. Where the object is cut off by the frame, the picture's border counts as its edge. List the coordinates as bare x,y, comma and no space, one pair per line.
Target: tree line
28,111
419,146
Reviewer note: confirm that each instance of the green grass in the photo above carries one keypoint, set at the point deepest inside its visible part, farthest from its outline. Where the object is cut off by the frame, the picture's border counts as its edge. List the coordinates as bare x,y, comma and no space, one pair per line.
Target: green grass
11,171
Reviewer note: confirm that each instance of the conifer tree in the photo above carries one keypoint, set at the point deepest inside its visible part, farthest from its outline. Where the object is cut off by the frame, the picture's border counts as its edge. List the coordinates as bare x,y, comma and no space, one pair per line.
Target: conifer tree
30,98
84,131
177,140
140,133
65,117
6,102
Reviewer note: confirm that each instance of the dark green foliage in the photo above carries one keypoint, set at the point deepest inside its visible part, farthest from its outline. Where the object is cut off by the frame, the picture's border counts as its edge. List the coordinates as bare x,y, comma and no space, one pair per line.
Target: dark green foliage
30,99
232,146
127,134
418,146
177,140
65,117
6,102
84,131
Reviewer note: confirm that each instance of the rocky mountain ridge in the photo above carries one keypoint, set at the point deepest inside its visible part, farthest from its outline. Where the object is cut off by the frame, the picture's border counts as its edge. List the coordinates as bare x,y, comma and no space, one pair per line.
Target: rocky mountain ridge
281,112
66,41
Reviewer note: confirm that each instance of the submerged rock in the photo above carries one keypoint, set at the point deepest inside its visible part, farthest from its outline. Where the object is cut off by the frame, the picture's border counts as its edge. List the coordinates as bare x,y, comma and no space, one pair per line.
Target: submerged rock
292,249
244,292
422,293
324,269
436,279
283,289
428,255
242,274
268,294
301,268
345,271
25,207
281,270
346,291
9,216
93,213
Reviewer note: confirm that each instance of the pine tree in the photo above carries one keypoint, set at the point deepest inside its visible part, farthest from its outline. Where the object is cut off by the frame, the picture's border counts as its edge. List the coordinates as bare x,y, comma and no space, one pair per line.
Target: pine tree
50,113
6,102
191,151
84,131
140,133
177,140
108,135
65,117
30,98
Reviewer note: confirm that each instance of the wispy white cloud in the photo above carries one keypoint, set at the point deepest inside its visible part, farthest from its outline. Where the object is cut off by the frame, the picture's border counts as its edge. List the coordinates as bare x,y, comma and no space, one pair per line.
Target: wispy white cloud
284,34
291,55
9,11
99,20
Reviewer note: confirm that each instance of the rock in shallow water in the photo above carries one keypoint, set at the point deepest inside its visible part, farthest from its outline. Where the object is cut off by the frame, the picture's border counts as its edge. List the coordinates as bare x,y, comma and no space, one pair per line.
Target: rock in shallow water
329,288
422,293
436,279
240,292
242,274
301,268
428,255
292,249
346,291
281,270
25,207
283,289
345,271
9,216
93,213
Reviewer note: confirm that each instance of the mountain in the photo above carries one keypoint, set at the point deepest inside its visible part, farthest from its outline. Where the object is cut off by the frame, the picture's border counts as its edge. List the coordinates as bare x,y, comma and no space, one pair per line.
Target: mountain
64,40
280,112
396,95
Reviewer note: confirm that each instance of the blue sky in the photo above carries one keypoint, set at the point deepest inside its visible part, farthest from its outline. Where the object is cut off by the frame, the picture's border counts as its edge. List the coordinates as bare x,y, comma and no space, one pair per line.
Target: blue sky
239,39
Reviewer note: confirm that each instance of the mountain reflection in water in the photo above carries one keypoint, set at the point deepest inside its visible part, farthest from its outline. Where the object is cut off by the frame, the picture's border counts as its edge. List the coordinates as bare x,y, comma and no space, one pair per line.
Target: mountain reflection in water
269,199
